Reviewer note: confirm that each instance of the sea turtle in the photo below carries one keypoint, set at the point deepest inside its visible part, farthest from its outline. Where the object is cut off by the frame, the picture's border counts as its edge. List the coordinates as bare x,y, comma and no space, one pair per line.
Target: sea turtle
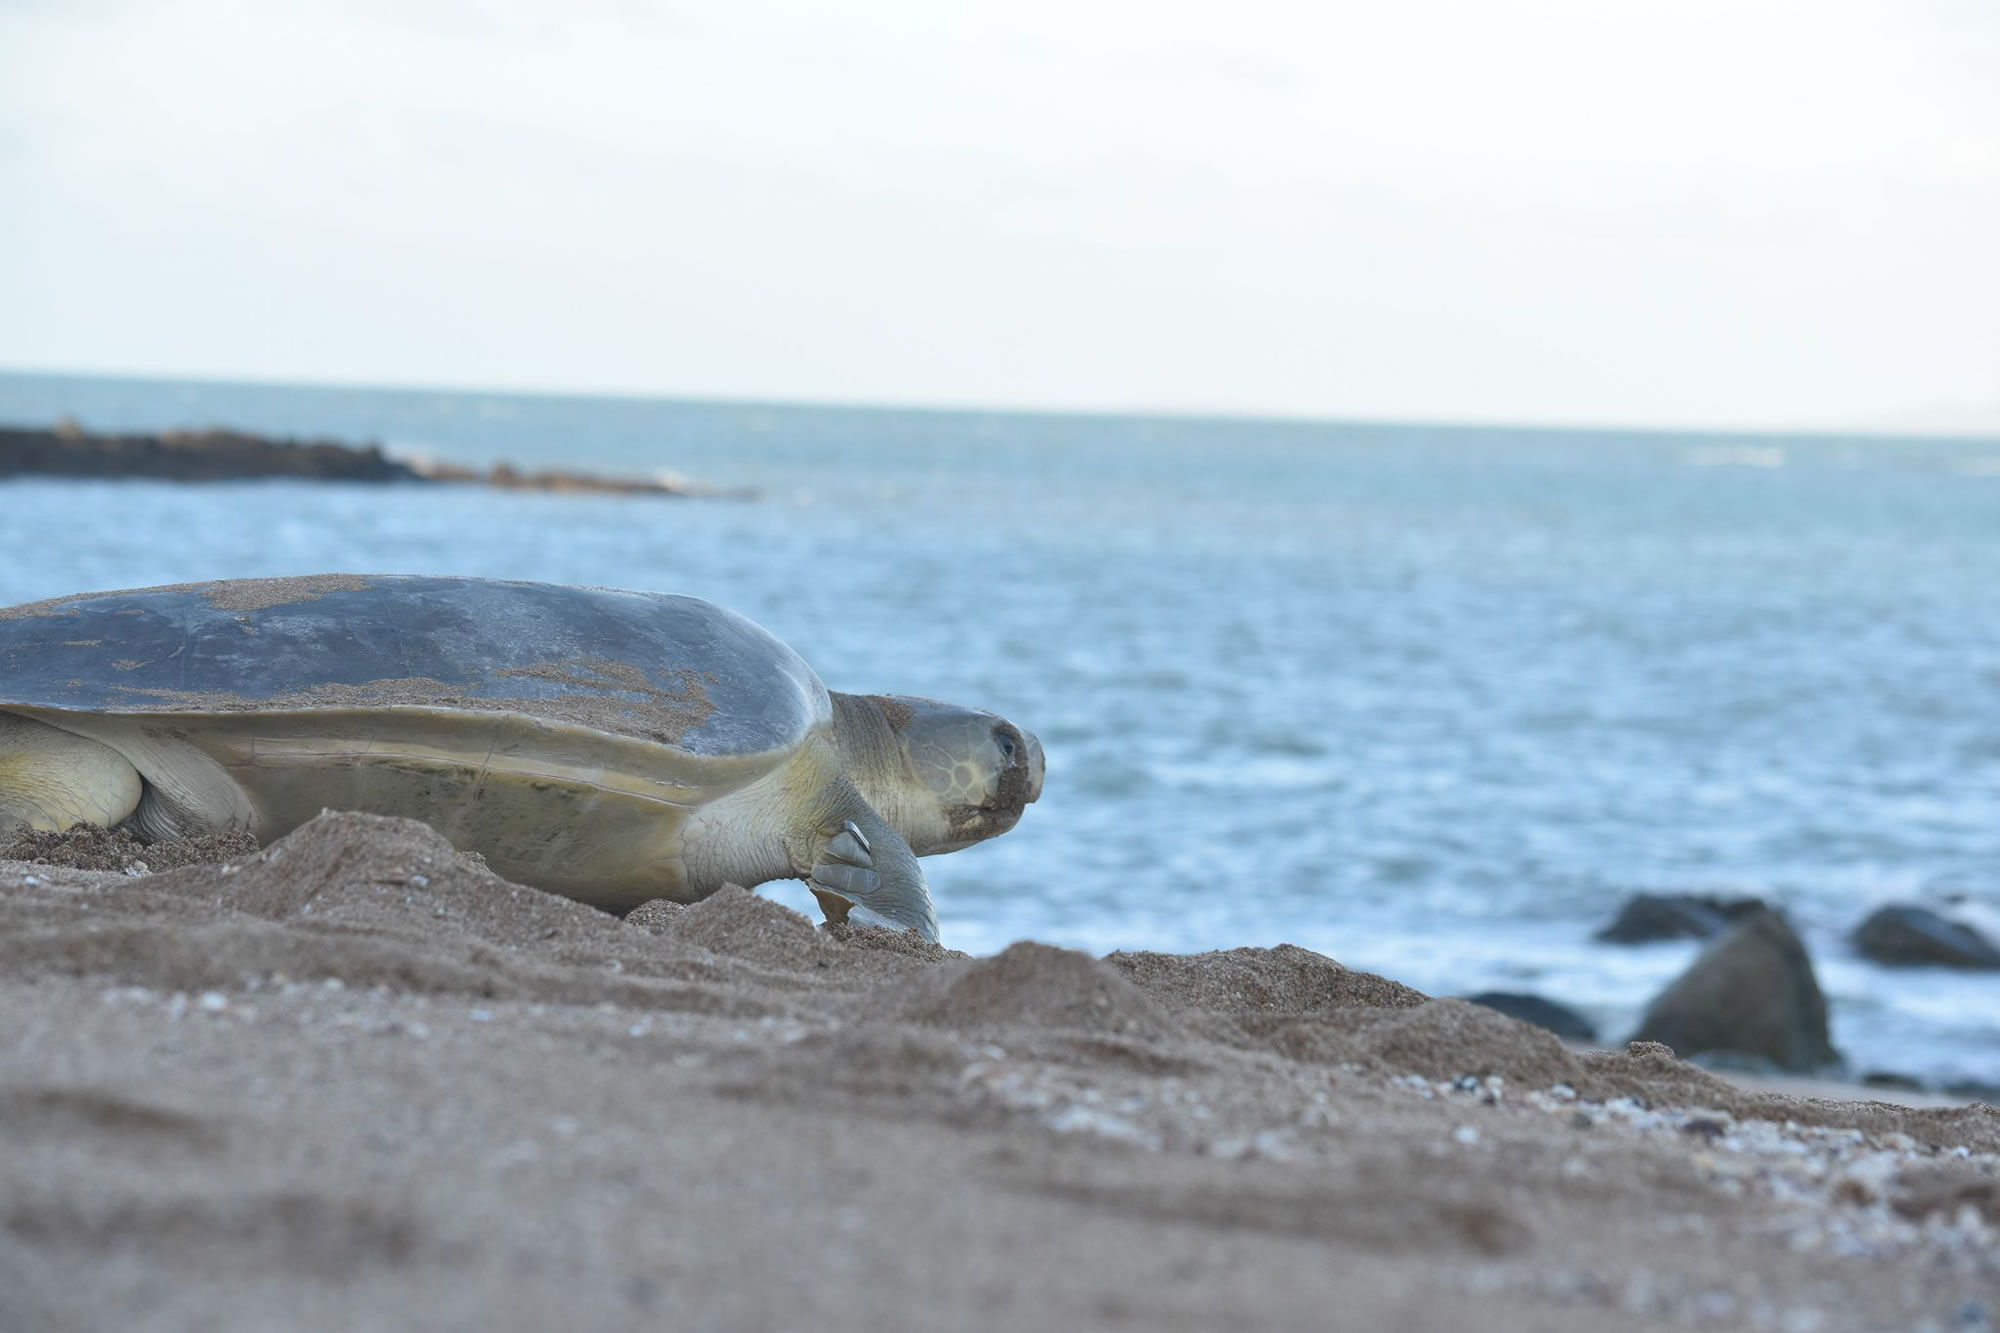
609,746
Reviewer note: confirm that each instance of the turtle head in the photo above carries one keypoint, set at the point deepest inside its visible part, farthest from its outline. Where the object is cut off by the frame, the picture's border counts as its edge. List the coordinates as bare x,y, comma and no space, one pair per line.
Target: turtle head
958,775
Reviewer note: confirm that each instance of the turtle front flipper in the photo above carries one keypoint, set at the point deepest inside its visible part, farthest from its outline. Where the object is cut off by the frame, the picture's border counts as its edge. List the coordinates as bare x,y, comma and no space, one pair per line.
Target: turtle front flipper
864,873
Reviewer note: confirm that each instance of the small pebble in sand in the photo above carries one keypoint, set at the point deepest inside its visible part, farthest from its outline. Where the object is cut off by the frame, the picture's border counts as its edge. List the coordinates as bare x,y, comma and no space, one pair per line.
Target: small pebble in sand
1418,1084
1084,1120
1466,1134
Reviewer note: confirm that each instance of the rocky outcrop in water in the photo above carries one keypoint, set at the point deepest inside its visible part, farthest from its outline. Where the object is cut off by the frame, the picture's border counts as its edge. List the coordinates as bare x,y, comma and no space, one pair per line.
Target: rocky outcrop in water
211,455
1752,992
507,477
1560,1019
67,450
1908,935
1670,916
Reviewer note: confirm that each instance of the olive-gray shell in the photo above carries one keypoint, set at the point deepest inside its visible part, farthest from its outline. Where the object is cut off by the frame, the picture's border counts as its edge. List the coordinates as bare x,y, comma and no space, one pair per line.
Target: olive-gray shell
673,670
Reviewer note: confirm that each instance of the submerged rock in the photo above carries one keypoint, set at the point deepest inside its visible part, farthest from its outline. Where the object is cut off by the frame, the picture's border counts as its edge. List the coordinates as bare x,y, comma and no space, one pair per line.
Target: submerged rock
1560,1019
1885,1078
1907,935
1671,916
1751,992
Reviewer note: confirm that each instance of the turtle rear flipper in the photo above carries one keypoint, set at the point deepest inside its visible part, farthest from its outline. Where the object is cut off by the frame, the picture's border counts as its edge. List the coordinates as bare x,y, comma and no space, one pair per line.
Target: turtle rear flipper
51,779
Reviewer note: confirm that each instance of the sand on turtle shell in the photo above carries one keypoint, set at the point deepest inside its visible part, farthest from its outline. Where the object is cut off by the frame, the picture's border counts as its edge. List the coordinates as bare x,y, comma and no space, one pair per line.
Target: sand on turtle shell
355,1075
229,595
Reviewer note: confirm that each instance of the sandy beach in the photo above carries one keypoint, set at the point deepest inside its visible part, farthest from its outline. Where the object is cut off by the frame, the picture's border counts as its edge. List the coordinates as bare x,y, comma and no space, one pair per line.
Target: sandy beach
354,1081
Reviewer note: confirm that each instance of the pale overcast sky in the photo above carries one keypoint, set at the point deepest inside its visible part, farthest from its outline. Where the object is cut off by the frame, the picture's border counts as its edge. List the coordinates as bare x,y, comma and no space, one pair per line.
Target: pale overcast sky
1767,213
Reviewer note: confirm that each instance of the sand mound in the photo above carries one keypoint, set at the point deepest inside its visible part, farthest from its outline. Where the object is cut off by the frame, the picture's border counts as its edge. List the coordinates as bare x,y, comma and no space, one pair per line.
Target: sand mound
882,939
736,922
655,914
375,873
90,847
1284,980
1445,1039
1437,1040
1030,985
362,899
1304,1006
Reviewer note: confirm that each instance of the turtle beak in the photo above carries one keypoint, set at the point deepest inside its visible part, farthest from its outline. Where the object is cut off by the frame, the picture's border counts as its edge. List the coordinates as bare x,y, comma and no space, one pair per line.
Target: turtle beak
1036,766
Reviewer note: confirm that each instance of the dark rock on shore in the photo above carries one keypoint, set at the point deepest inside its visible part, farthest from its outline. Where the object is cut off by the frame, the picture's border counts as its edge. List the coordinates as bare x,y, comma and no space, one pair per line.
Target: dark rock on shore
1560,1019
1906,935
1974,1091
1671,916
212,455
1752,992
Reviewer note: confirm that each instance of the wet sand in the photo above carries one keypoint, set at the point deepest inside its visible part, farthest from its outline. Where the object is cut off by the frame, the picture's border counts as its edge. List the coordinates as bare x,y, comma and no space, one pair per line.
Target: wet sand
354,1082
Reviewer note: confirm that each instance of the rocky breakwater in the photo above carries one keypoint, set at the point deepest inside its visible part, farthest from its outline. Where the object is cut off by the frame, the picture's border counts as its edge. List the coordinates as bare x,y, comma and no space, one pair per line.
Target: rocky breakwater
68,450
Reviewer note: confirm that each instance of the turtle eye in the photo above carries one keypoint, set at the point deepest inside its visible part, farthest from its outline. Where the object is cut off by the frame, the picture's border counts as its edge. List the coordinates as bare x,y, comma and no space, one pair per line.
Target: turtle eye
1006,744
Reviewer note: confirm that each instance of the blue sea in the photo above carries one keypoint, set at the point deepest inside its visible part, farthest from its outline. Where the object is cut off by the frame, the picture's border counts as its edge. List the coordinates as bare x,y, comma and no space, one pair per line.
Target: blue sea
1430,700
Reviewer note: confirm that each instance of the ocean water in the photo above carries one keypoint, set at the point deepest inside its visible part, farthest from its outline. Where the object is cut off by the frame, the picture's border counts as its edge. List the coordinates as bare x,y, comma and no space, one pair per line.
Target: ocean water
1432,701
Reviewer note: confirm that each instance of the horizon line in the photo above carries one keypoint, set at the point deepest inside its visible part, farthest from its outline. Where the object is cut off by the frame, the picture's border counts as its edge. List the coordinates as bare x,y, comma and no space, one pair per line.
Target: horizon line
1943,434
